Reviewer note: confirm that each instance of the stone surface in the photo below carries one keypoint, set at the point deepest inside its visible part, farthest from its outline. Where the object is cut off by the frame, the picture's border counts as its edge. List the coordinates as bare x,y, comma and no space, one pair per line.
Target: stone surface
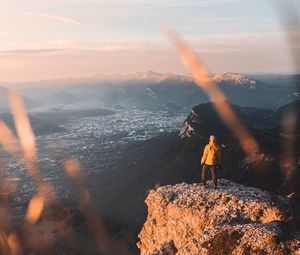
233,219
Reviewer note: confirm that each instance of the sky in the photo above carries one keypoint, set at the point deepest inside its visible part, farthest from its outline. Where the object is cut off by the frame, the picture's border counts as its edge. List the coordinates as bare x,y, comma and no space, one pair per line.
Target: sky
74,38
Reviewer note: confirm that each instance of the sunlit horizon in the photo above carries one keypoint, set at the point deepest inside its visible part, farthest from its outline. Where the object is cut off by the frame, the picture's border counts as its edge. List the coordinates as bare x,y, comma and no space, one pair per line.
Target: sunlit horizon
77,38
128,75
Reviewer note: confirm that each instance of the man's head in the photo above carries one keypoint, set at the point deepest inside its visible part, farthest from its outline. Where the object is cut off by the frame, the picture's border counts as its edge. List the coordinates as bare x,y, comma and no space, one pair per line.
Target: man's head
212,138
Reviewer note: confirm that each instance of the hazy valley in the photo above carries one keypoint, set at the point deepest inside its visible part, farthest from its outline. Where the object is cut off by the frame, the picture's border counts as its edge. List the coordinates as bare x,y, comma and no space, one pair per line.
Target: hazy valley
148,129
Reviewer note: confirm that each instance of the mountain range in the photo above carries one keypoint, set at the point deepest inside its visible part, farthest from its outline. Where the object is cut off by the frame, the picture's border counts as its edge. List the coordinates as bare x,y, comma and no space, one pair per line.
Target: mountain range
4,104
173,158
39,126
156,91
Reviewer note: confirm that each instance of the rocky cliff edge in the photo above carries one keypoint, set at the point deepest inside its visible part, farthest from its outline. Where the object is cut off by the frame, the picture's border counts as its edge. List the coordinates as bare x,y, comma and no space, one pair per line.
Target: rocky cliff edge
234,219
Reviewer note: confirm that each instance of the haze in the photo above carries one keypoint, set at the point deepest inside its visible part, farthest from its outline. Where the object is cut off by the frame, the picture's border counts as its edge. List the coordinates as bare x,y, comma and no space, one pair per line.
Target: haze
55,39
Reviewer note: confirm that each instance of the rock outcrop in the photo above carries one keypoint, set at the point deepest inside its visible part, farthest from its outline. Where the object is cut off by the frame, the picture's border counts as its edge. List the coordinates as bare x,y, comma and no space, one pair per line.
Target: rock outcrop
265,171
234,219
235,79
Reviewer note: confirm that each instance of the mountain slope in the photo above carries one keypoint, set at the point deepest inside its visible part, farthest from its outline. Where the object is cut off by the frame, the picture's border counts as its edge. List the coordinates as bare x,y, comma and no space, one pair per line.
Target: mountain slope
268,174
235,79
61,98
287,118
29,104
39,126
168,88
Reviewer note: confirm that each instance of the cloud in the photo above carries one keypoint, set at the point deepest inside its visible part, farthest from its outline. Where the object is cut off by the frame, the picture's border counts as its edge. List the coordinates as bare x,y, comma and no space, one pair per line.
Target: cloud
55,18
27,51
133,5
160,6
216,20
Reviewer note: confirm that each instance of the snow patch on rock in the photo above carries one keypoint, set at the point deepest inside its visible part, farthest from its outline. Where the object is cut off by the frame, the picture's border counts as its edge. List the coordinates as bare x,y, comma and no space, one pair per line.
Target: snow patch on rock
234,78
186,130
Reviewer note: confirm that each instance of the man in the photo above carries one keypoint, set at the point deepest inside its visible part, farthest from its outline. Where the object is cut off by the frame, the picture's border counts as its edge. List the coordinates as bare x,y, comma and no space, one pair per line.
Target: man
211,159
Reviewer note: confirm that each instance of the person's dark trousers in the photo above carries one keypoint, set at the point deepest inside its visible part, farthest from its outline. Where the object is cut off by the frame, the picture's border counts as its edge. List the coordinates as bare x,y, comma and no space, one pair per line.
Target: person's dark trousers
212,172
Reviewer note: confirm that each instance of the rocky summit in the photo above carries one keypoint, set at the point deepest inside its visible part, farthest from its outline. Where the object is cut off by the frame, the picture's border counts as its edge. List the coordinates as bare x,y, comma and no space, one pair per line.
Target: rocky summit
233,219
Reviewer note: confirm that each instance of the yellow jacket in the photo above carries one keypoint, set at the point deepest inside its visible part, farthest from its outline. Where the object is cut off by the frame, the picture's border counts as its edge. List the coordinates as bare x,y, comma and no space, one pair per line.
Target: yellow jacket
212,154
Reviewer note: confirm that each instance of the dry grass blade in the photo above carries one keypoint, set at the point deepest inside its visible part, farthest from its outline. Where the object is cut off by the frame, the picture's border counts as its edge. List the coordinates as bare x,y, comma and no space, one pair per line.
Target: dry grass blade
24,131
72,168
8,139
13,244
94,222
288,143
35,209
223,108
289,16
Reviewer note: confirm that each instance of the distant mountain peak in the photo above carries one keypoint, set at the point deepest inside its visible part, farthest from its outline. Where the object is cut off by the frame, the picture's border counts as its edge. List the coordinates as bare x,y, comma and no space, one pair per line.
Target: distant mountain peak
235,78
155,76
149,75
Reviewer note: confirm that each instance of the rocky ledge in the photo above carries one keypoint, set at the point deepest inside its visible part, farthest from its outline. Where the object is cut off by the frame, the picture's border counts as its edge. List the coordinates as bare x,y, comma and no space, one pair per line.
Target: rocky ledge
234,219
